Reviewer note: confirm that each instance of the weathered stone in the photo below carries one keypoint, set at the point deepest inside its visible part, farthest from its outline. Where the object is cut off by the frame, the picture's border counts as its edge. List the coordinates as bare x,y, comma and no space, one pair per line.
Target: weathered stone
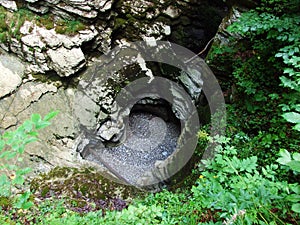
39,8
193,83
66,62
12,71
8,4
33,40
223,35
31,1
172,12
27,26
35,97
87,14
50,38
16,47
54,2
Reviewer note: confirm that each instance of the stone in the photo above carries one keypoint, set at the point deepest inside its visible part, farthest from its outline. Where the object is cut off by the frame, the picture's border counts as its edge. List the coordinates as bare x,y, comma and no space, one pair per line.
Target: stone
54,2
8,121
193,83
8,4
39,8
31,1
50,37
48,51
66,62
223,35
27,26
33,40
12,71
172,12
107,131
87,14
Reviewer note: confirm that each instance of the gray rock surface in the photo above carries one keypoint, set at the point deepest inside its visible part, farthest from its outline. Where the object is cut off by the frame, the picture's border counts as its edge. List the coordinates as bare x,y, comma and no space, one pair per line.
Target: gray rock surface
85,9
90,105
46,50
12,71
66,62
9,4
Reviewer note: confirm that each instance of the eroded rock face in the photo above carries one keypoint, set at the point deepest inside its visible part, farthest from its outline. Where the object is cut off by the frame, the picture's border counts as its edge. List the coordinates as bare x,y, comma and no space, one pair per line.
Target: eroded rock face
68,8
12,71
108,23
44,50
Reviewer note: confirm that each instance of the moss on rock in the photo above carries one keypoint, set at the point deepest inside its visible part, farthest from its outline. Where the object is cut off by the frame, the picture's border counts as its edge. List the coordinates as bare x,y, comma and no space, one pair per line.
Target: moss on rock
79,187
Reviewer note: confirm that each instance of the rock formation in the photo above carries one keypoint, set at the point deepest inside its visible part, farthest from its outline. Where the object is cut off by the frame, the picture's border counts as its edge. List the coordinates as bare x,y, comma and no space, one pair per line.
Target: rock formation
42,63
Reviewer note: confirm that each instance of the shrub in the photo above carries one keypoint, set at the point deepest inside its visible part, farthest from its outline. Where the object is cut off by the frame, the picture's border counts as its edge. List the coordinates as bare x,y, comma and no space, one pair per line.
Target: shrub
12,147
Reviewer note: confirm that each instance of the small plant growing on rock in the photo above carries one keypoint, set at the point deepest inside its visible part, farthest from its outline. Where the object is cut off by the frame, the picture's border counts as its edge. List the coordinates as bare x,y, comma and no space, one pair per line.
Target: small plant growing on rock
69,27
12,147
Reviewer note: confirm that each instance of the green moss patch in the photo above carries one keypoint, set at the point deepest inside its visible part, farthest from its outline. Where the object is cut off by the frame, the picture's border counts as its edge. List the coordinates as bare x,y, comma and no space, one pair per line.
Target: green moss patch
83,189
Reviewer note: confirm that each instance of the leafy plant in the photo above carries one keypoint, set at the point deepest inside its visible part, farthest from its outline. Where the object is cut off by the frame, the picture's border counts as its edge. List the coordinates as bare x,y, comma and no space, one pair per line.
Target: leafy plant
274,28
293,162
239,191
12,147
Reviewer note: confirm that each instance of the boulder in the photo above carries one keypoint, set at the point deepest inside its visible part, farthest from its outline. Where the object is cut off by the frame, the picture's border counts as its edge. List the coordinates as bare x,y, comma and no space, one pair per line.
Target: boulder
66,62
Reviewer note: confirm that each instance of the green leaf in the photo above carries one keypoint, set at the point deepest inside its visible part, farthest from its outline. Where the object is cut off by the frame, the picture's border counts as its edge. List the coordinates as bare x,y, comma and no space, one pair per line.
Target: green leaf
20,159
296,188
9,155
285,157
19,180
27,205
3,180
29,140
42,124
292,117
22,202
33,133
36,118
296,207
50,115
2,144
4,154
294,165
23,171
293,198
297,127
296,156
27,125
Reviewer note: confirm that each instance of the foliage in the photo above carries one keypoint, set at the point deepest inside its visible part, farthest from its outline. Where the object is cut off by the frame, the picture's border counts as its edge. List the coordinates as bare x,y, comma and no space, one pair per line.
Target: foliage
12,147
239,191
261,62
231,190
294,164
274,28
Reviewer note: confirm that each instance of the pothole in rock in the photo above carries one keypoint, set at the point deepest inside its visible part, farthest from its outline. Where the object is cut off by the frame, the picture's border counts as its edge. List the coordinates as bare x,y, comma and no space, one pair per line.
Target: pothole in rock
149,138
